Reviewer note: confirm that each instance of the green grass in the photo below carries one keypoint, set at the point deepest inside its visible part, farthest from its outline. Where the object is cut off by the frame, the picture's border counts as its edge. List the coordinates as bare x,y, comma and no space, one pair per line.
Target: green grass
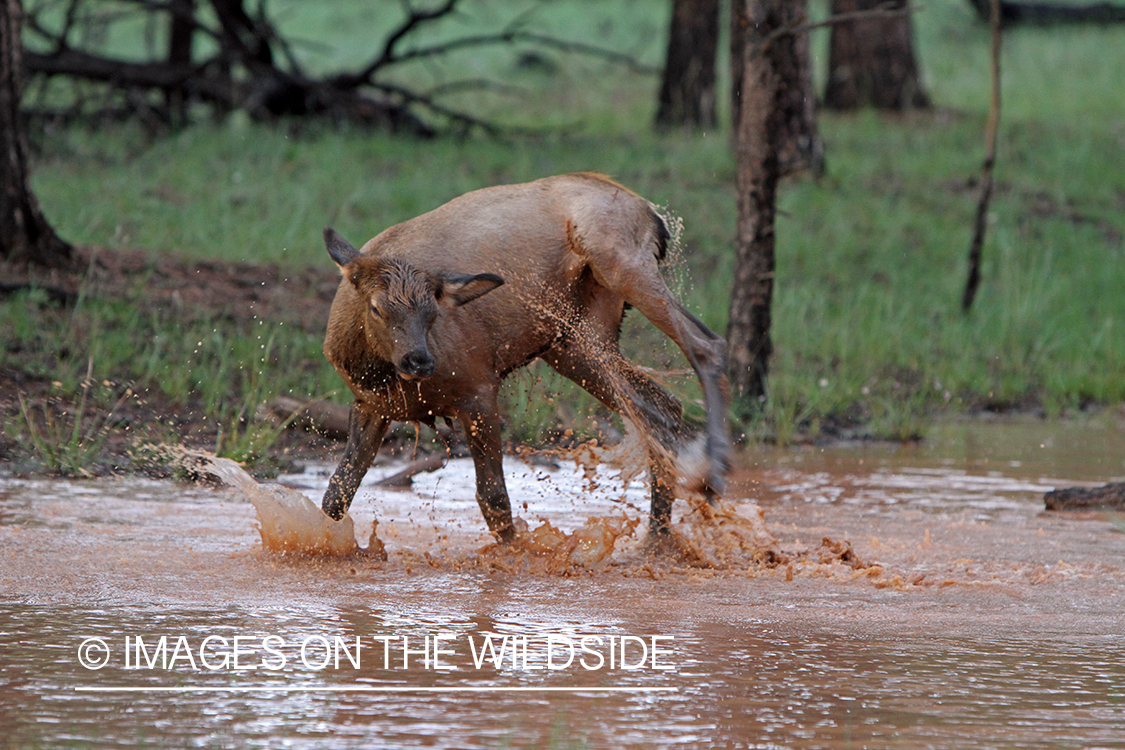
871,258
67,441
213,374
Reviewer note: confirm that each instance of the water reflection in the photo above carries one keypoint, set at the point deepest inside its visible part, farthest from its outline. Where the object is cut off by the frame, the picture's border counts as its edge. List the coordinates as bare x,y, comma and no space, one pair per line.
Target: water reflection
816,690
739,684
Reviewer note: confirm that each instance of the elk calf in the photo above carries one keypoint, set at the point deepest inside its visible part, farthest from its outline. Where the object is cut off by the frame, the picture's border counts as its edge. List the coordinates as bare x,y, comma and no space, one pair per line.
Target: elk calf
433,313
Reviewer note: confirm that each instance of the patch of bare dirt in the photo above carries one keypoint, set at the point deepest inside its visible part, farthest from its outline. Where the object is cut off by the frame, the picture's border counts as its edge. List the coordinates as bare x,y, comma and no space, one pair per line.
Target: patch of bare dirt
193,290
197,289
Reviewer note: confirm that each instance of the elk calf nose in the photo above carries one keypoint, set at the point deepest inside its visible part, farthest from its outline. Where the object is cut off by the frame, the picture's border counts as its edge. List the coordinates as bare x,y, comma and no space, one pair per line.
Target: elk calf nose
417,364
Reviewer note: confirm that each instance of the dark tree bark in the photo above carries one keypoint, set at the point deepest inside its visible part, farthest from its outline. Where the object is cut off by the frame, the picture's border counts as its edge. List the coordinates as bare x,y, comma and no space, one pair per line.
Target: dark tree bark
871,61
757,57
181,29
25,235
799,145
687,92
247,40
1046,14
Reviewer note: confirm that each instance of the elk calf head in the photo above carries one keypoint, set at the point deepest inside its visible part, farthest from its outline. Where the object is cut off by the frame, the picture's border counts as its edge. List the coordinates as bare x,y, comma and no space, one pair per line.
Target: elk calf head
402,302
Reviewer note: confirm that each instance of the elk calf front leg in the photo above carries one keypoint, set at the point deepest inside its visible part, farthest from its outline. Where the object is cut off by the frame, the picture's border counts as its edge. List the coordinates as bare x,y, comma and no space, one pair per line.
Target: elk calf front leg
365,435
482,429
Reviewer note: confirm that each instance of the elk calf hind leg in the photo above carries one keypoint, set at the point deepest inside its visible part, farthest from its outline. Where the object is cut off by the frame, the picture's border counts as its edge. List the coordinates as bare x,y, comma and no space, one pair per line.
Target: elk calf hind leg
706,352
606,376
629,269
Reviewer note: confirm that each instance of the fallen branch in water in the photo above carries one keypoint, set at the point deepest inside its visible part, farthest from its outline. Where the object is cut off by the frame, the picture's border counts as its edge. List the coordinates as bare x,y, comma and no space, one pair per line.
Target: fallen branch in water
405,478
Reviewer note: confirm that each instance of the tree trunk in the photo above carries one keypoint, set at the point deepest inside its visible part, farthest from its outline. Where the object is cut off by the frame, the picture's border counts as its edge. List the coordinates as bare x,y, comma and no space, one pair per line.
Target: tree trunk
758,66
799,145
687,93
181,28
25,235
242,43
871,61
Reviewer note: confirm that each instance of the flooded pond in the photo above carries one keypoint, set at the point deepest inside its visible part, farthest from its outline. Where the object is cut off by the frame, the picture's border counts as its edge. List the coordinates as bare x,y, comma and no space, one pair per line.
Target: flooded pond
136,613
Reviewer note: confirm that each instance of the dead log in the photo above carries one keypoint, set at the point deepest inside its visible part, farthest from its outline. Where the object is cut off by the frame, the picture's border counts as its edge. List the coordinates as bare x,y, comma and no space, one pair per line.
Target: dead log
321,417
1107,497
1050,14
256,69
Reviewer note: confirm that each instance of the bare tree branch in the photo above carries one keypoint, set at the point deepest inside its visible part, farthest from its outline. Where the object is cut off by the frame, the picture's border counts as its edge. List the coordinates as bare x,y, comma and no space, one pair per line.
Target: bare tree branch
256,68
465,120
68,21
60,39
413,21
510,37
472,84
887,10
588,49
159,75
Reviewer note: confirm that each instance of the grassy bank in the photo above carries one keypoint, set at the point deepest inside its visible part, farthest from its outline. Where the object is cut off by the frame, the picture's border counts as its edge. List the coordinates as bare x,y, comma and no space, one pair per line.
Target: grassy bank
868,333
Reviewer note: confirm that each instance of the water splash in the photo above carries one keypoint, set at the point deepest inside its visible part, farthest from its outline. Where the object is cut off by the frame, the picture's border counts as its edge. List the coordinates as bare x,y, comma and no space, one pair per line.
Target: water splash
288,522
721,537
629,456
548,551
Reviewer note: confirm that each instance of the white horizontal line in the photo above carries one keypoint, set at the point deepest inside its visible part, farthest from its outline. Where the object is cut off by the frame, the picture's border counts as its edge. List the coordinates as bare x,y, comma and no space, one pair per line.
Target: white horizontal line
371,689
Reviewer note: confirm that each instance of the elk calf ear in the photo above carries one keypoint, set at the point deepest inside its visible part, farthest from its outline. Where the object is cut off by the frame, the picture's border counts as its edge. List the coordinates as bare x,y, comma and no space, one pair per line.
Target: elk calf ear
454,291
340,249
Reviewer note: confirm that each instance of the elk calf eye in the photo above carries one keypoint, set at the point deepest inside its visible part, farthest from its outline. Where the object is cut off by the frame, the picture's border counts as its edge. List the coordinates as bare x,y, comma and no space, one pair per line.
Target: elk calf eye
375,311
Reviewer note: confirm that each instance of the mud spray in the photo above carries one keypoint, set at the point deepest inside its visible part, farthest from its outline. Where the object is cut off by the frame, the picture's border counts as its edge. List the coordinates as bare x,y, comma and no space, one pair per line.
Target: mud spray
705,536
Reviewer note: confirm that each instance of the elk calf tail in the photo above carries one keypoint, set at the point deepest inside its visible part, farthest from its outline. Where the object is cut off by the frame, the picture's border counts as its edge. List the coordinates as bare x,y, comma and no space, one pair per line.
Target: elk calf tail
662,233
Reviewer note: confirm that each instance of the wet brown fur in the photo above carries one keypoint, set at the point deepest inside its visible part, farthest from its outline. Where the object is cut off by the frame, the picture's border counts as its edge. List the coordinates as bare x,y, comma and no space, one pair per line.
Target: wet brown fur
573,251
404,288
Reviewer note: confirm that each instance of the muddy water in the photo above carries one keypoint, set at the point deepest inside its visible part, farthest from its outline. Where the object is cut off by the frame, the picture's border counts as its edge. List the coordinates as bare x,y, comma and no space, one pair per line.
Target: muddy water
976,621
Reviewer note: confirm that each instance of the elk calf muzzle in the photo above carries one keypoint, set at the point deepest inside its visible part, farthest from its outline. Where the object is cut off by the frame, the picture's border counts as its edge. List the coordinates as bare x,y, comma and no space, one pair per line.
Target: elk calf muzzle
417,364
